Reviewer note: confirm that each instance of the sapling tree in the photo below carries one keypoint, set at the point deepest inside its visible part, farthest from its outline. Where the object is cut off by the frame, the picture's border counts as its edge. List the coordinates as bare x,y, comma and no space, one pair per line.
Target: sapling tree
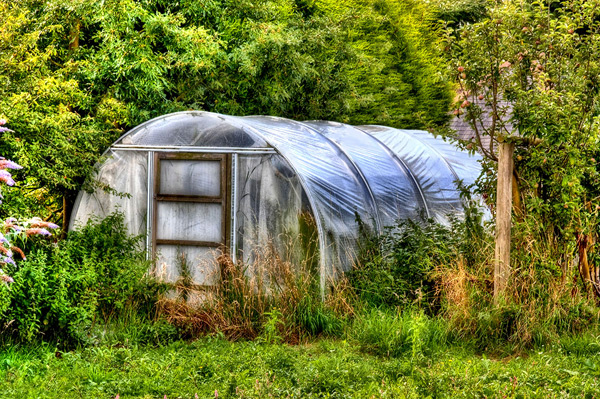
528,74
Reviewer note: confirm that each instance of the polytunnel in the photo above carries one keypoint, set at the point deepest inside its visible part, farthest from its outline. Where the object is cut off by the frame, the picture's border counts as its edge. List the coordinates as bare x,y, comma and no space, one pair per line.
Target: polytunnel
198,184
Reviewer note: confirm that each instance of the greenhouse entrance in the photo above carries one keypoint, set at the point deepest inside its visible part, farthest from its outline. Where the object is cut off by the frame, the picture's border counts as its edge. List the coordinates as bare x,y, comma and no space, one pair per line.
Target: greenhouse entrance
190,215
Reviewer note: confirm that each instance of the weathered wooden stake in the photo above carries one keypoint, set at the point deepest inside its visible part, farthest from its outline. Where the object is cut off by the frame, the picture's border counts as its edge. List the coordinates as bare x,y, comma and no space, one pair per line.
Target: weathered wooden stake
503,217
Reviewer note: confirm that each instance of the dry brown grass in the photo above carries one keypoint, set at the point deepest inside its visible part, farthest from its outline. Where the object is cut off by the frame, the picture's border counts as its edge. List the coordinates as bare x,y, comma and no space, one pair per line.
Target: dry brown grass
542,301
453,284
238,306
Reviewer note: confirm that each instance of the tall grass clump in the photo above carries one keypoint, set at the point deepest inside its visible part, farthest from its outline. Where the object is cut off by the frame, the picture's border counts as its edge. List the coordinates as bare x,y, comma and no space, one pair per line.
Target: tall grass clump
447,272
543,301
272,299
71,290
393,333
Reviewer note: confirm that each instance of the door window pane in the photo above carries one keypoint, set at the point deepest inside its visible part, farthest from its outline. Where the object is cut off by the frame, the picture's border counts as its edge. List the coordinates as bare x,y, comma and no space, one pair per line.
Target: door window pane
199,261
189,221
183,177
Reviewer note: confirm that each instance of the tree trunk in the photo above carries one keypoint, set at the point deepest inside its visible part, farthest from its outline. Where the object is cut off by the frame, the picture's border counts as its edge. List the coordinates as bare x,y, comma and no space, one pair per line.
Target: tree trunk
516,195
588,272
65,222
74,35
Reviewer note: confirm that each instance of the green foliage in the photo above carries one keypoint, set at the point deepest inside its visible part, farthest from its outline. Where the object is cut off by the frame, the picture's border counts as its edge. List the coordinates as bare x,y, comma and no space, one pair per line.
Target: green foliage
459,12
447,271
397,268
397,76
391,333
526,74
97,274
211,367
530,69
271,326
77,75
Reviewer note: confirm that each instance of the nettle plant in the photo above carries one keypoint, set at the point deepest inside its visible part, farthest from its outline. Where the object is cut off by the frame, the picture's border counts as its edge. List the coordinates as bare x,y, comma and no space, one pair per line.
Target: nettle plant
12,231
529,72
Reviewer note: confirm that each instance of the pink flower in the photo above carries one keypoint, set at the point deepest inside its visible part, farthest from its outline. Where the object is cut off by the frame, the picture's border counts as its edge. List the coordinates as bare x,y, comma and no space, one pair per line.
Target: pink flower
6,278
6,178
37,222
2,128
11,223
37,231
8,260
8,164
6,251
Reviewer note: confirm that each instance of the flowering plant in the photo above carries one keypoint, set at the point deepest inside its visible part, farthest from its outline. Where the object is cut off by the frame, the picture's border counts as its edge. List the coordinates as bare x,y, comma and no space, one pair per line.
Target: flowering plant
11,229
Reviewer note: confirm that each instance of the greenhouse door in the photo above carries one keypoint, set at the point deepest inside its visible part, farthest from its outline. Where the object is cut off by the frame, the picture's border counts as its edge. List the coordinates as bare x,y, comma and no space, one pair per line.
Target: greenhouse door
190,216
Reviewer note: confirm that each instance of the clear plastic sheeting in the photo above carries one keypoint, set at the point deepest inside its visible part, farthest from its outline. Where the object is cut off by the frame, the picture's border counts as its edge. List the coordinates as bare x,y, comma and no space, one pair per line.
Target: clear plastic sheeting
192,128
394,190
272,213
465,165
335,187
436,178
196,262
182,177
292,190
122,185
185,220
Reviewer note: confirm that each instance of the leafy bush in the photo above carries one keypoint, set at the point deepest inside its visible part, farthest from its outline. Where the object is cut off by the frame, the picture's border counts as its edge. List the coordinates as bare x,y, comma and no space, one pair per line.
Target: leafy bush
395,268
63,289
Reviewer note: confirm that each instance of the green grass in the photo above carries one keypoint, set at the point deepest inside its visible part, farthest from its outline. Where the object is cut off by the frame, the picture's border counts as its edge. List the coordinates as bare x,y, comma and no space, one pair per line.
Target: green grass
328,369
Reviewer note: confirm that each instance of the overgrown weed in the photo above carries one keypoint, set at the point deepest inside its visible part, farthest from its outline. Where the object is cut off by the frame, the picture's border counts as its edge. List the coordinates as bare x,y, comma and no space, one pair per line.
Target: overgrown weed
447,272
395,333
415,289
67,291
272,299
542,302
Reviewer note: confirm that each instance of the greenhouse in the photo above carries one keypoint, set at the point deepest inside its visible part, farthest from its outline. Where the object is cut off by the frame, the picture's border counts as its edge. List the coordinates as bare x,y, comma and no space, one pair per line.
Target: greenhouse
197,184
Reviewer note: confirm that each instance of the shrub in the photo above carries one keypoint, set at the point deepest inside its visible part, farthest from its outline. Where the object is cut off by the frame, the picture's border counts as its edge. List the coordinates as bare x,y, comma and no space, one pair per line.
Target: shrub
396,268
63,289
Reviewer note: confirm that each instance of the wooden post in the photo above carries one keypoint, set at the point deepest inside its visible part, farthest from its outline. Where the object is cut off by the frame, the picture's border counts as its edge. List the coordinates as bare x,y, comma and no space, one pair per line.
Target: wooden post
503,217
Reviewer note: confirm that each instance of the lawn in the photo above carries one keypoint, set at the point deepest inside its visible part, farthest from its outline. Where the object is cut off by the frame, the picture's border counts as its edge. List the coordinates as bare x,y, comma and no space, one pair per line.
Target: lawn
213,367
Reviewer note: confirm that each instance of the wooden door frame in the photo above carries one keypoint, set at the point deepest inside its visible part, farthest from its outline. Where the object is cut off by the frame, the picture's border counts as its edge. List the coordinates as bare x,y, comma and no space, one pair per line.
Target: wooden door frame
223,198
